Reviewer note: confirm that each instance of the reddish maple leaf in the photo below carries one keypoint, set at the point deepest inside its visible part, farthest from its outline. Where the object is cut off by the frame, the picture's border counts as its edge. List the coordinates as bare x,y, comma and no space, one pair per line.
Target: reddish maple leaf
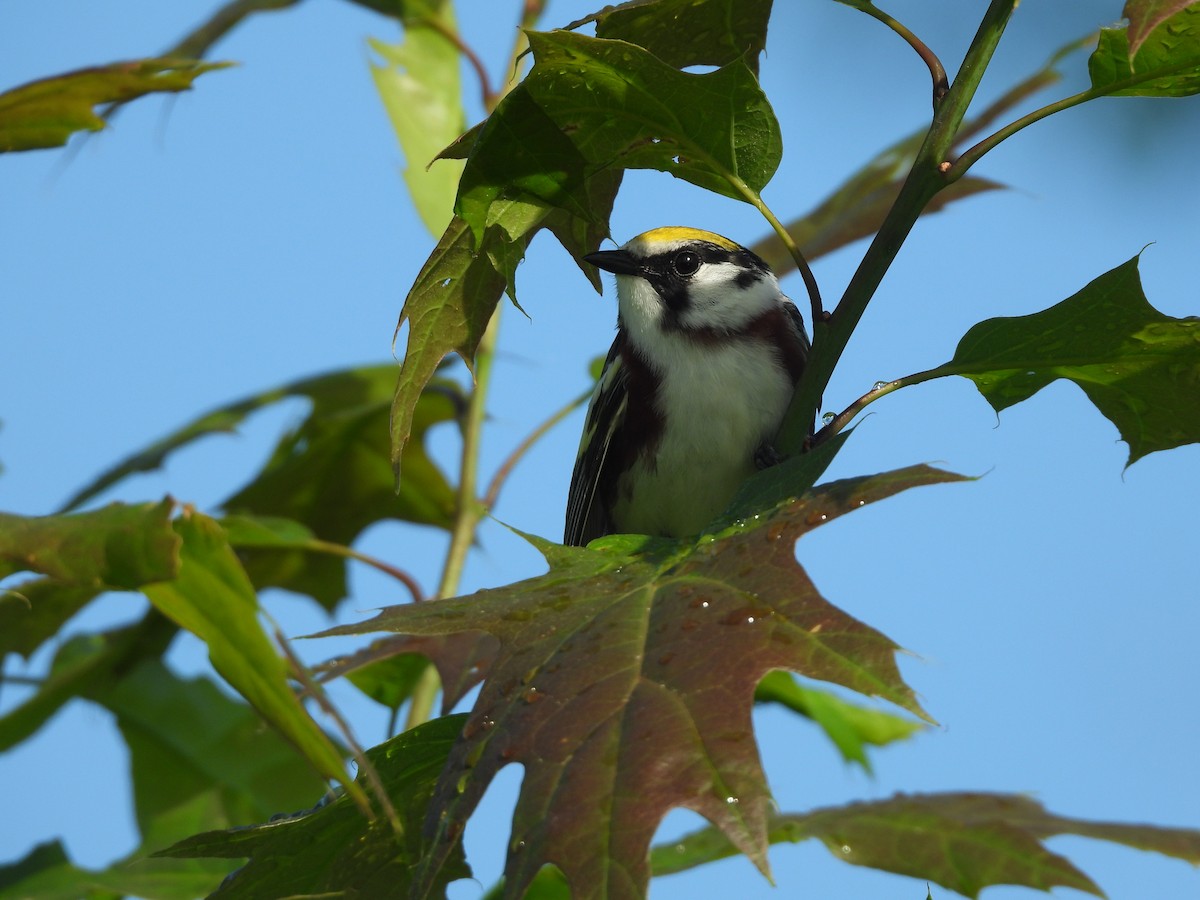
624,681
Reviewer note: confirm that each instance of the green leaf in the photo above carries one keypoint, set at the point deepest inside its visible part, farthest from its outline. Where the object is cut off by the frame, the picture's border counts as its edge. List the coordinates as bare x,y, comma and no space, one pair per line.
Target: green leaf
189,741
1167,63
45,113
551,156
419,86
35,610
331,474
589,105
85,665
214,599
1139,367
386,669
962,841
850,727
602,686
1146,15
333,848
686,33
119,546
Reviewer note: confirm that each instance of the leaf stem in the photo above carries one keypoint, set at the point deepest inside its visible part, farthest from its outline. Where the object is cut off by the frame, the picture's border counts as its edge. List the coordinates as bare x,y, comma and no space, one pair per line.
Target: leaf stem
468,514
936,70
502,473
924,180
369,772
810,281
320,546
470,510
486,92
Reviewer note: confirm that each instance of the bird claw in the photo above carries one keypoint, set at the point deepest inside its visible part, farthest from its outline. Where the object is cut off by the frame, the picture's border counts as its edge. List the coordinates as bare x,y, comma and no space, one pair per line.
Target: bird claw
766,456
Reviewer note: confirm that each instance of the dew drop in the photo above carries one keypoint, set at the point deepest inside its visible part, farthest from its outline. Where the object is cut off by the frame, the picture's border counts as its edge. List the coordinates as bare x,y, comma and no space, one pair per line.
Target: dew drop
828,417
532,695
732,801
846,848
879,385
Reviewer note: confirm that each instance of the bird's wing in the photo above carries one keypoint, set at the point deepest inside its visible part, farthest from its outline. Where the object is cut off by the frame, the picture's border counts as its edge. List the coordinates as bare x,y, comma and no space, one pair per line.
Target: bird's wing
797,318
587,516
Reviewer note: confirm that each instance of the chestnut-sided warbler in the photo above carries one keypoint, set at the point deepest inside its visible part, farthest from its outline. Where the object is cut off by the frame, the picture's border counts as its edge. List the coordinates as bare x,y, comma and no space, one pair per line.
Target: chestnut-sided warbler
707,353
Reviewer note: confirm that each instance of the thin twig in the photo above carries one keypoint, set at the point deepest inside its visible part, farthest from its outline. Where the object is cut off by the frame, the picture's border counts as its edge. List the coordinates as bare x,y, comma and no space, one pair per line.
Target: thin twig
502,473
810,281
400,575
470,511
369,772
487,94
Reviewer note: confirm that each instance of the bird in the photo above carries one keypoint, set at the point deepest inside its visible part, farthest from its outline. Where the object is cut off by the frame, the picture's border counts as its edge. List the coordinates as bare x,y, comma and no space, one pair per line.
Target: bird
707,354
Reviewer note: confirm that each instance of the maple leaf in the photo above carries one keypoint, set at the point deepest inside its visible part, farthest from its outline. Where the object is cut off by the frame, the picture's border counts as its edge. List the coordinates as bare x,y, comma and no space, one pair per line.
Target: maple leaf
624,681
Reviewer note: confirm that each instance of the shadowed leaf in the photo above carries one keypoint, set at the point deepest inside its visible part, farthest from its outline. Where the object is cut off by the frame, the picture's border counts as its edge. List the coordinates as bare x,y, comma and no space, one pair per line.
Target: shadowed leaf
332,848
33,612
45,113
86,665
331,473
1139,367
1167,63
685,33
603,686
964,842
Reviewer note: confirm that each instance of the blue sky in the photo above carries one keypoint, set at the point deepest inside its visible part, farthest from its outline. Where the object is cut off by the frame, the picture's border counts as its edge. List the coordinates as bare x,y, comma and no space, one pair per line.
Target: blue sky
256,230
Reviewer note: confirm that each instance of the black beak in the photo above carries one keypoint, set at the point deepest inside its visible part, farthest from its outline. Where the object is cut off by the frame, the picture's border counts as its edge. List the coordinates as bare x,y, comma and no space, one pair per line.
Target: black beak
619,262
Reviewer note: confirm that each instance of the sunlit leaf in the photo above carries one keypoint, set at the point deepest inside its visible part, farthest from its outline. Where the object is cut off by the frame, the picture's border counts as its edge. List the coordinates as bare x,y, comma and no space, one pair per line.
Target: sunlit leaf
1146,15
332,849
686,33
419,86
851,727
213,598
1166,65
603,690
1139,367
45,113
964,842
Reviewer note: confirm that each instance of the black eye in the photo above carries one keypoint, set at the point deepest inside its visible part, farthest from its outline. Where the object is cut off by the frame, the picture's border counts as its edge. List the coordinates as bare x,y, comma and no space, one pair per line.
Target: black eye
686,262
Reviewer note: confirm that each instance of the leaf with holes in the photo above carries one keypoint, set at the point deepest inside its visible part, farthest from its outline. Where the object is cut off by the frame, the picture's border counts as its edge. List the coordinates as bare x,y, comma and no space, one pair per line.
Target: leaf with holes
1139,367
624,682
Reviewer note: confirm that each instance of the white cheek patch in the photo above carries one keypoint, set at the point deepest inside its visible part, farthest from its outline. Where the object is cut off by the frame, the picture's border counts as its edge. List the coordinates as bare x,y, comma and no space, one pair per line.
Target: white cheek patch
718,302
